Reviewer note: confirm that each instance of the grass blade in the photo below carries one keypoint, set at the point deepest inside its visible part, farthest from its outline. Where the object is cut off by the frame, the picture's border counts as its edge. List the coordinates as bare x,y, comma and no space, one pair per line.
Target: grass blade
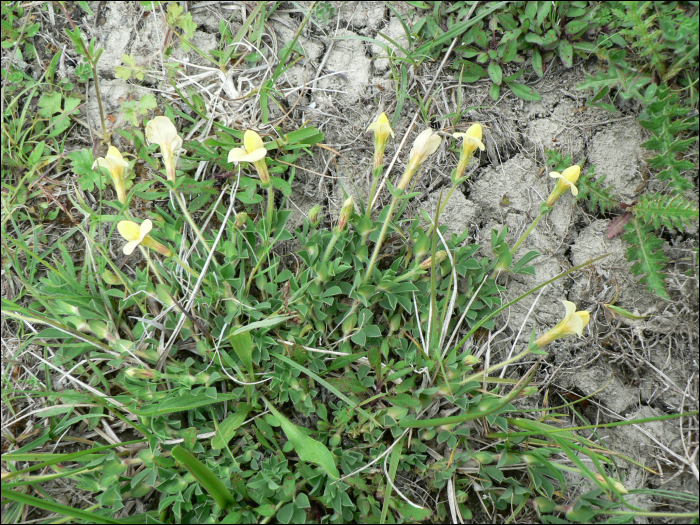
205,477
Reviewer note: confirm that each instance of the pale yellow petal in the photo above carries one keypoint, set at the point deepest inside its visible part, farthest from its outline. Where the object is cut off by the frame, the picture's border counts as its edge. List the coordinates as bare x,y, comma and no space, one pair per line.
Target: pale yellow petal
115,156
374,126
570,309
162,131
146,227
585,317
129,230
129,247
386,129
475,131
432,144
252,141
574,325
254,155
382,119
572,173
236,154
420,143
555,175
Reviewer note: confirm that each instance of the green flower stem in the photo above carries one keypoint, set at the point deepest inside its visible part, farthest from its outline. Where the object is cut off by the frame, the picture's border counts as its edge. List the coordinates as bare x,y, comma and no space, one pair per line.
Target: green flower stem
527,232
482,374
380,240
189,270
270,207
190,220
329,248
442,208
371,195
152,266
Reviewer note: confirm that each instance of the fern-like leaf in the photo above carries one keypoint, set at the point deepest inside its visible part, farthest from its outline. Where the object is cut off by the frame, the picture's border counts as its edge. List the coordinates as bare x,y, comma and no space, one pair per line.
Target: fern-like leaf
645,253
669,210
597,194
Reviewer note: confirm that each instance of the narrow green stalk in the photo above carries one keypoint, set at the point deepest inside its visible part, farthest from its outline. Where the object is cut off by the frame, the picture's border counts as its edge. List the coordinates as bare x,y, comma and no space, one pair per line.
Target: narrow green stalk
191,222
371,196
527,232
329,248
442,208
380,240
270,207
189,270
152,266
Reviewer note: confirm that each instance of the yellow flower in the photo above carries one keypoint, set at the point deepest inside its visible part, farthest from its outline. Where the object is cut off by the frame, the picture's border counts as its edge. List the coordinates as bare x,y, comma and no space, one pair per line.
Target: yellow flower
566,180
254,151
426,144
382,130
138,234
472,140
573,324
162,131
116,165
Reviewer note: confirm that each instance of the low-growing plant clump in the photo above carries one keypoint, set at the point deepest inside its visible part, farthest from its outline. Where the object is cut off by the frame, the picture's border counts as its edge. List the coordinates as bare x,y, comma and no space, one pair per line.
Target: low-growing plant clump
322,373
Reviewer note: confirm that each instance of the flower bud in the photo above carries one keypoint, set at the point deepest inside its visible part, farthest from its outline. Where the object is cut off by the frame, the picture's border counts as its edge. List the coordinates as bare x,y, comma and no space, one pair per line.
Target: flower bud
141,373
345,213
428,263
469,360
394,323
240,220
314,215
349,323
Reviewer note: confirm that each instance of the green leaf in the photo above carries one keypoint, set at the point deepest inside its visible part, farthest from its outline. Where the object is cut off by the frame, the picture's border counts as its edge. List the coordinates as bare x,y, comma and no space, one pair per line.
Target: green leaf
180,404
646,254
536,61
566,53
206,478
523,91
64,510
307,448
496,73
227,429
623,312
265,323
672,211
511,50
495,91
471,72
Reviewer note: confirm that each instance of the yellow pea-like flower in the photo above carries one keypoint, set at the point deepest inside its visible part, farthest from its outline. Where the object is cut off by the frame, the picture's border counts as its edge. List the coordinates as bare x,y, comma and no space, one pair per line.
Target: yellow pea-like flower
254,151
116,166
565,181
162,131
573,324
